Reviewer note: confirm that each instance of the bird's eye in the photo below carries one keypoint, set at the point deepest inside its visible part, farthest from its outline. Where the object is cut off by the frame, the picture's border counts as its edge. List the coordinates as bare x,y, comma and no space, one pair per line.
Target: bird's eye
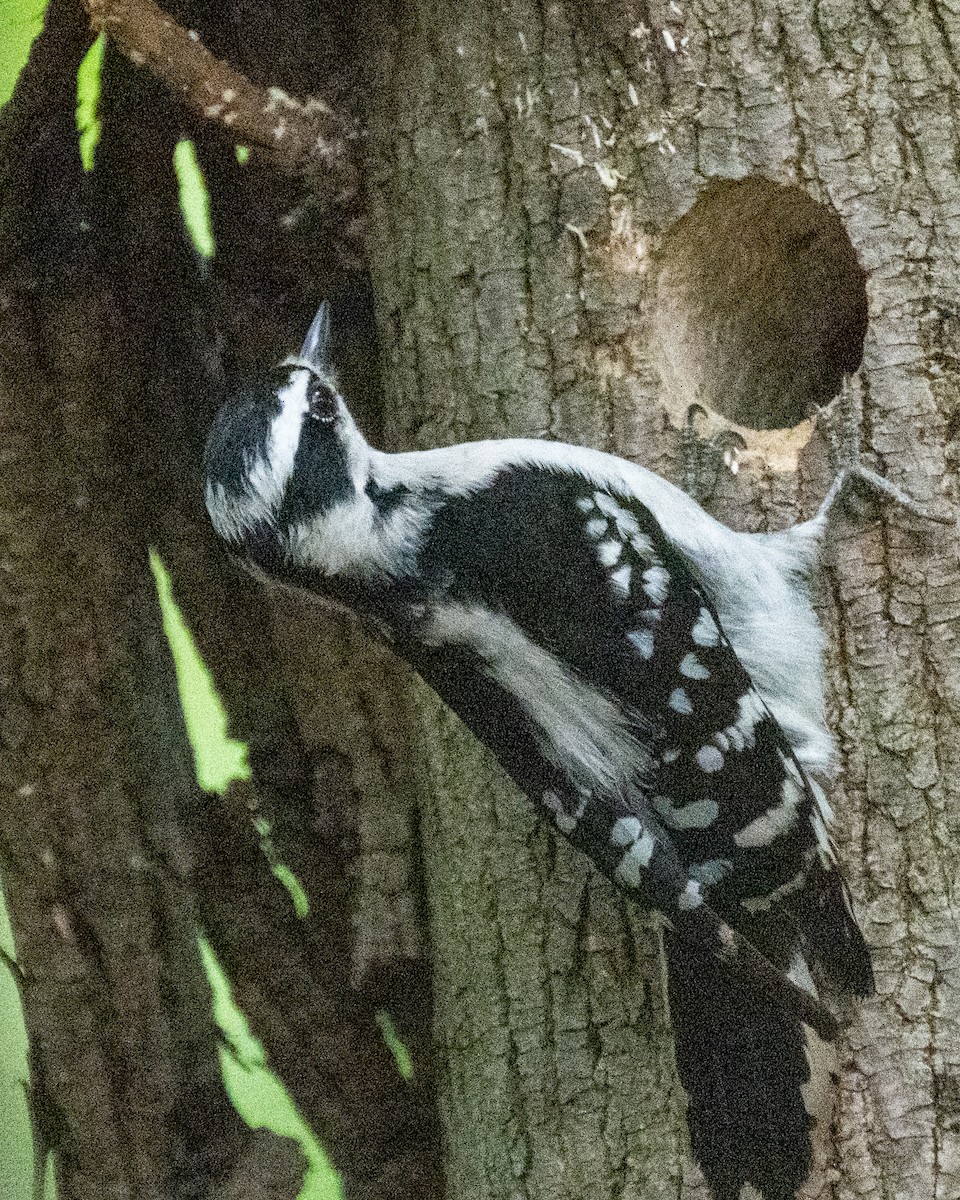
322,401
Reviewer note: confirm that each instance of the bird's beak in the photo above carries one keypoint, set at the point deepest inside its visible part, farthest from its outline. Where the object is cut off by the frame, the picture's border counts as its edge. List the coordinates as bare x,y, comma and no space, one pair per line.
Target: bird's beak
317,341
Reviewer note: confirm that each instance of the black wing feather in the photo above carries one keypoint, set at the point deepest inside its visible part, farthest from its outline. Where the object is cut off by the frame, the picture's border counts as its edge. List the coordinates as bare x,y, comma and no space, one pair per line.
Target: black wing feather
531,544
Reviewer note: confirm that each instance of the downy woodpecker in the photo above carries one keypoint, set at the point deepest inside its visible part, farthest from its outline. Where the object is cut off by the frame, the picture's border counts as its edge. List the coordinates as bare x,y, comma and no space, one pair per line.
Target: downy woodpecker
651,680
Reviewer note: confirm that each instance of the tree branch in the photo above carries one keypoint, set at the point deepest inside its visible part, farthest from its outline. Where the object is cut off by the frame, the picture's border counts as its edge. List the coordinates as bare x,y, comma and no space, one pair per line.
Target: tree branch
298,136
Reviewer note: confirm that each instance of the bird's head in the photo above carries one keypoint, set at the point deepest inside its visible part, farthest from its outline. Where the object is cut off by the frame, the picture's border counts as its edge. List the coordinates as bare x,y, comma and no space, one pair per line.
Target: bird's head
283,452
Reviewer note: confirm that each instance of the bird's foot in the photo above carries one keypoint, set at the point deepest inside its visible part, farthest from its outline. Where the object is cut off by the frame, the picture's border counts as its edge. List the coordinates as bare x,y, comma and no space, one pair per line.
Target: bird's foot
842,431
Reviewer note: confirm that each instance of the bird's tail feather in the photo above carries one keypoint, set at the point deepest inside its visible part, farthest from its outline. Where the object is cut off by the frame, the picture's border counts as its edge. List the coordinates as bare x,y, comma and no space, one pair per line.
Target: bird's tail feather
742,1061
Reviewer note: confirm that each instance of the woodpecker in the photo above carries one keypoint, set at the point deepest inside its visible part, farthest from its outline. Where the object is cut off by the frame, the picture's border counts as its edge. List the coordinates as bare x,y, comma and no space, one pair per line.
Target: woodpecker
651,679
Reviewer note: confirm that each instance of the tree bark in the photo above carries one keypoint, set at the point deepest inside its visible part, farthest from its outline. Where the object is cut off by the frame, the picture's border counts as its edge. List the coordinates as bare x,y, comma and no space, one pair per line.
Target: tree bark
112,858
580,220
529,170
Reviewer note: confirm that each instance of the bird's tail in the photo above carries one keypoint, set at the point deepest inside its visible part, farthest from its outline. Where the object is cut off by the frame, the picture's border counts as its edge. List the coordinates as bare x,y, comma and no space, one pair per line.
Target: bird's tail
743,1062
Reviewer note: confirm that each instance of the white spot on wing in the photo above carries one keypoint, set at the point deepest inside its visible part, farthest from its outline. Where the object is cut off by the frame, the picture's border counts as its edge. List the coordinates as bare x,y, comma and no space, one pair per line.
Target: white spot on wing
626,831
699,815
609,552
777,819
712,871
627,524
709,759
621,580
597,527
755,904
690,897
705,632
642,544
679,701
693,668
656,581
632,867
565,821
606,503
585,504
799,973
643,641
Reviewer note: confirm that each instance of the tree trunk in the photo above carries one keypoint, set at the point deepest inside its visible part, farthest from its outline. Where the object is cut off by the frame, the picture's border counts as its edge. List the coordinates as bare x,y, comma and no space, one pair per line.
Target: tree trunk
529,171
556,248
112,858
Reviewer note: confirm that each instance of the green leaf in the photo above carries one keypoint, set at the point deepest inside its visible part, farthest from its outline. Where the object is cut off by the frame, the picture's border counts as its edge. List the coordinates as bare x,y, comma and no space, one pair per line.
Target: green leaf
194,198
257,1094
88,98
401,1055
20,22
301,902
219,758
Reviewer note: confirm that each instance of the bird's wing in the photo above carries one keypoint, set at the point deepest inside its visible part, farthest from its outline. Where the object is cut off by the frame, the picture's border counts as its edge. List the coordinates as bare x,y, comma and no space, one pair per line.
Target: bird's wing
568,597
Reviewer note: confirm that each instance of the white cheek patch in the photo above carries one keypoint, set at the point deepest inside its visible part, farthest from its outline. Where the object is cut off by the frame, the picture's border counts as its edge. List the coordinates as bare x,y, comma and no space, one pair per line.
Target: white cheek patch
267,474
285,429
351,539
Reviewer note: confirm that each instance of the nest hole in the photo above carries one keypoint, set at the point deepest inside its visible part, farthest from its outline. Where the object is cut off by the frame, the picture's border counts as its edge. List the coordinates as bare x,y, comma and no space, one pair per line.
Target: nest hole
761,304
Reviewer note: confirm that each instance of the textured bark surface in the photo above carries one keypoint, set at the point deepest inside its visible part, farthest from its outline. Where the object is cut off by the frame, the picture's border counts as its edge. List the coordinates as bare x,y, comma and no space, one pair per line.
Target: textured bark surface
112,860
554,250
528,167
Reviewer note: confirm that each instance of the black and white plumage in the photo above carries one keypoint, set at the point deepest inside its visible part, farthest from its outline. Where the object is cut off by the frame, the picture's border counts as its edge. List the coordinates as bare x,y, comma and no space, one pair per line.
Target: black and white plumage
651,679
